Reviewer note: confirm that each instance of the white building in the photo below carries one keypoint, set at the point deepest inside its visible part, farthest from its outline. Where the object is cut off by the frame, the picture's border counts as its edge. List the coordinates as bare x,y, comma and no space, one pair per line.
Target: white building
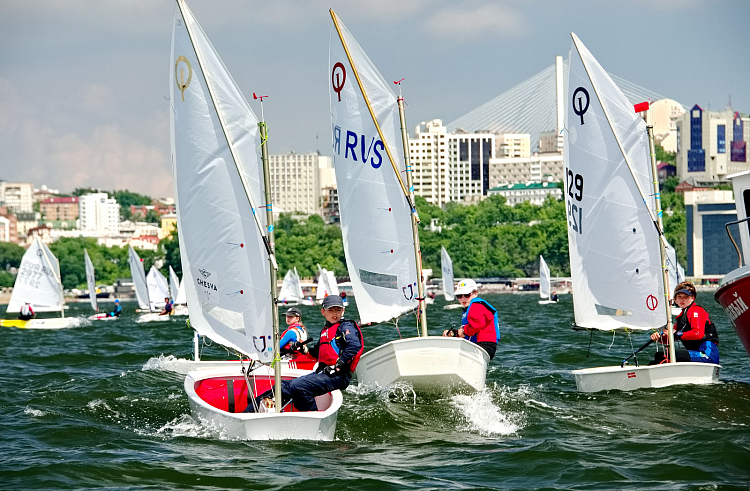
536,168
513,145
17,196
295,181
534,192
99,213
663,115
711,144
450,166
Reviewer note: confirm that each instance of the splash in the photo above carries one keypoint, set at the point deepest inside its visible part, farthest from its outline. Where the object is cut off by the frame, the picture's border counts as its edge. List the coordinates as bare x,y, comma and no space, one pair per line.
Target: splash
483,416
169,363
185,426
34,412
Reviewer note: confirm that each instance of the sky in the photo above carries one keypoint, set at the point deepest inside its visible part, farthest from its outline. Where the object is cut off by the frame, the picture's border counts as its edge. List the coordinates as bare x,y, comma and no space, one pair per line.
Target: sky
84,84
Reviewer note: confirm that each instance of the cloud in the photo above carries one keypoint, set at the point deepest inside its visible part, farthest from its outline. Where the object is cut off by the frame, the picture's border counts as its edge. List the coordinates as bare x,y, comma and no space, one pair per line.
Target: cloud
465,24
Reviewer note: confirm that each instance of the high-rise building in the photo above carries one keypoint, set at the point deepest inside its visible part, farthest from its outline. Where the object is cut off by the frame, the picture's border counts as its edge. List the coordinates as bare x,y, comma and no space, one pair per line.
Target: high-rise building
450,166
99,213
709,249
540,167
295,181
711,144
17,196
513,145
59,209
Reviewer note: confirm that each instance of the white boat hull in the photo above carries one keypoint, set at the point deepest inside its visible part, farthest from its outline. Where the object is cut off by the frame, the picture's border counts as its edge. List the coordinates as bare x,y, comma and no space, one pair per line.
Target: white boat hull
53,323
546,302
101,317
653,376
452,306
181,310
152,317
429,364
315,425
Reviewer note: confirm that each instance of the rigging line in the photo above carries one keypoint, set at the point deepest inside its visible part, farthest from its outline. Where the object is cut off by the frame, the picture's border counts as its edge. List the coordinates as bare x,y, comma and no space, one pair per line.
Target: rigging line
590,339
372,112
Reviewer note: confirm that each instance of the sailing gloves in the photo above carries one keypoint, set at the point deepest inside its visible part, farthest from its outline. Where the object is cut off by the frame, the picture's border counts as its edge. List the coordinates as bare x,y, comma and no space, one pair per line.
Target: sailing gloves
334,369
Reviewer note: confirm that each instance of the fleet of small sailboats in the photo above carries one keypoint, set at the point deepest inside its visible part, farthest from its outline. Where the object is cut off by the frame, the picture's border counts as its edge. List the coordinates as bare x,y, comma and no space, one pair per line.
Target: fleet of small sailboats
379,227
616,247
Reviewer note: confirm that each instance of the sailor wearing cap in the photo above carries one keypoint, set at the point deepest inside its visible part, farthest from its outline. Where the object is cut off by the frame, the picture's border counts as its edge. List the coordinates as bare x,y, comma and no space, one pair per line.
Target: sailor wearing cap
338,351
479,322
117,311
295,333
693,327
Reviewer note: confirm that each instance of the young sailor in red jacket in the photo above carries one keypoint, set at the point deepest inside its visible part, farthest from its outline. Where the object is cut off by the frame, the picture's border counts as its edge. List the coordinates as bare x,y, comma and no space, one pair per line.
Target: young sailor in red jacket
693,328
479,322
338,351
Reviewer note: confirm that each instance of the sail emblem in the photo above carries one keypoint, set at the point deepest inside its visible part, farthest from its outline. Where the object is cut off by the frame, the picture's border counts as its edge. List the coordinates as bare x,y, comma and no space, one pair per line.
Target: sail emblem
338,85
652,302
581,109
181,83
205,273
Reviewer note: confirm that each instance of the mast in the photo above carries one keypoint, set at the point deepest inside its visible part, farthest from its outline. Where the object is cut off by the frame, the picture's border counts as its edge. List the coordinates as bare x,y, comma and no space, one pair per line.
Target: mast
414,217
271,262
664,267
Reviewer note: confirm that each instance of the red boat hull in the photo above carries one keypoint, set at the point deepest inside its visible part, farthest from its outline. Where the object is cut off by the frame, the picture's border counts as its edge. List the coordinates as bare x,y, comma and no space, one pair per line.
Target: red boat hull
734,297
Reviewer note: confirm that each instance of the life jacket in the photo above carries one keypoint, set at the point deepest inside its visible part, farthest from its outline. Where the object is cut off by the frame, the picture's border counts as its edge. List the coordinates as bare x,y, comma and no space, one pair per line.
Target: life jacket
465,318
692,317
26,310
298,329
331,343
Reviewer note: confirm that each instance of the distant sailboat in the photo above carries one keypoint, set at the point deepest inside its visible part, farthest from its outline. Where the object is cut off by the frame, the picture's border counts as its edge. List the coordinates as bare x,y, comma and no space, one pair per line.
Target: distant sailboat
91,283
177,294
617,259
38,284
545,290
449,286
289,294
227,246
379,226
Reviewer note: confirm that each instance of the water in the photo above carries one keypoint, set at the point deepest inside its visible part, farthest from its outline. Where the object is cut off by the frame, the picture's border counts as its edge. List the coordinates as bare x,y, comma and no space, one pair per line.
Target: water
102,406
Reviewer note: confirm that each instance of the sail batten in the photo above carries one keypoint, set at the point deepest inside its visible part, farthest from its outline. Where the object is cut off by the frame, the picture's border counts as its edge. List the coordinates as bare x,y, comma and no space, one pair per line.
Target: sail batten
374,205
615,257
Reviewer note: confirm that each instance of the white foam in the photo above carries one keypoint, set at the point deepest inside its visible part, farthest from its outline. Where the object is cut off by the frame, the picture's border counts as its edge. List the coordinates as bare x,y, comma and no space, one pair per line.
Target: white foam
169,363
99,404
482,415
34,412
185,426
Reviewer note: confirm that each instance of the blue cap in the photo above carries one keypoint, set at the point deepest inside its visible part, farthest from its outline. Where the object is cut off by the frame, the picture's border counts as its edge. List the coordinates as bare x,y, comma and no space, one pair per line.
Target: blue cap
117,300
685,291
332,301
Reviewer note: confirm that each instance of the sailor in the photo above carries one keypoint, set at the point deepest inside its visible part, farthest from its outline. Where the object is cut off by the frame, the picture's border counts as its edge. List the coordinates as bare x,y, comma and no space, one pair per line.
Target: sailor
296,334
479,322
693,327
167,307
27,312
554,297
338,351
117,311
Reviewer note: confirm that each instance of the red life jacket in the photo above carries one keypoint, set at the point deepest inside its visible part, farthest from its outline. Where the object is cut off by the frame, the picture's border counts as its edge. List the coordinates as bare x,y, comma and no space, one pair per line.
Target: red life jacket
328,349
297,328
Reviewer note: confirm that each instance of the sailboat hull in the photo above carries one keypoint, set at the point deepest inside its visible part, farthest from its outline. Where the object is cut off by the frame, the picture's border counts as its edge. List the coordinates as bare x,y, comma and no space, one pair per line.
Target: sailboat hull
734,289
208,396
546,302
644,377
39,323
429,364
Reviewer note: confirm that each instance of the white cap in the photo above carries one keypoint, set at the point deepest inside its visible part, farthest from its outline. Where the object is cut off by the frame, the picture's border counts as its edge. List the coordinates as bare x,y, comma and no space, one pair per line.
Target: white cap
466,286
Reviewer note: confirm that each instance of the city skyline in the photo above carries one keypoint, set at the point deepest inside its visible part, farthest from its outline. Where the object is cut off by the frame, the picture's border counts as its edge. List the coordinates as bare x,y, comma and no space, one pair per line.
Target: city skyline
84,84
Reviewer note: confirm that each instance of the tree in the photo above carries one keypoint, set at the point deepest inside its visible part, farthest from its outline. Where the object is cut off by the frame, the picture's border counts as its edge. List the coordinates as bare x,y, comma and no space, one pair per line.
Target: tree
10,255
664,156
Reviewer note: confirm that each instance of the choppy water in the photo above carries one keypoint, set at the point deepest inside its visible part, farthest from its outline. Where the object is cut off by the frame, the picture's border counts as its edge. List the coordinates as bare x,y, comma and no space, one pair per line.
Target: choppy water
102,406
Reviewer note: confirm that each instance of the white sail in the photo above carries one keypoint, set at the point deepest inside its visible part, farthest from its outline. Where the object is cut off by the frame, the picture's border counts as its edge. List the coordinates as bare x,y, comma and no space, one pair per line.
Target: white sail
174,285
375,215
288,291
90,280
37,281
675,269
615,257
331,285
181,298
446,265
158,289
217,172
139,279
322,290
298,285
544,279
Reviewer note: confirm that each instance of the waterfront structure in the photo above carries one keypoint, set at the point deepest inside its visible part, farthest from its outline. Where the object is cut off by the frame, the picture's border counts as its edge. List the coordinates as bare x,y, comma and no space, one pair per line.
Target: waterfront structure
18,197
534,192
709,251
99,213
711,144
296,181
59,209
450,166
540,167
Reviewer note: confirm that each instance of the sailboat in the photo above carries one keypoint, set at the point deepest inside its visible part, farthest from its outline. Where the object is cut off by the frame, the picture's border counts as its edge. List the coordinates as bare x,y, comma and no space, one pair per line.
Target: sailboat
298,284
617,258
177,294
289,294
379,225
138,274
545,290
91,283
227,250
449,287
327,284
38,284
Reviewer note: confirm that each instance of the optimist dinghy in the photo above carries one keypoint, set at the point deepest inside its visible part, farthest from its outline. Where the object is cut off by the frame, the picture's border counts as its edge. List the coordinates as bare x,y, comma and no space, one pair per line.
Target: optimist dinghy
226,244
545,290
379,225
617,247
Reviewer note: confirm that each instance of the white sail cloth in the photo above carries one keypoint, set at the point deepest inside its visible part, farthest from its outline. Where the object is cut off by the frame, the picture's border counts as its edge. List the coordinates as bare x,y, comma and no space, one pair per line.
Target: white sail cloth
158,289
615,258
90,280
544,279
138,273
288,291
674,268
298,285
215,142
375,215
37,281
446,265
